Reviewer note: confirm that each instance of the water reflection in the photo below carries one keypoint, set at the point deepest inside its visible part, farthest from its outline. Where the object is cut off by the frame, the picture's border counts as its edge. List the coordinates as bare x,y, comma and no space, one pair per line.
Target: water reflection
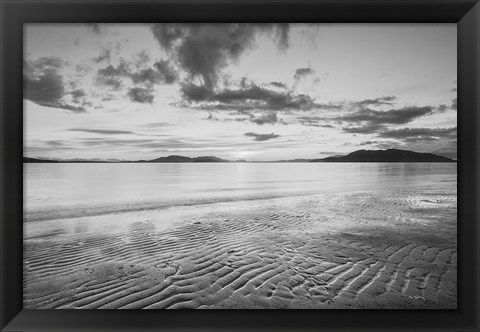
51,185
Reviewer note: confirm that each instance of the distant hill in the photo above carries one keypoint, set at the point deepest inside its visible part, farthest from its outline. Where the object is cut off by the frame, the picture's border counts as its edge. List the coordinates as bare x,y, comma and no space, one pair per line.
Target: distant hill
390,155
182,159
209,159
171,159
36,160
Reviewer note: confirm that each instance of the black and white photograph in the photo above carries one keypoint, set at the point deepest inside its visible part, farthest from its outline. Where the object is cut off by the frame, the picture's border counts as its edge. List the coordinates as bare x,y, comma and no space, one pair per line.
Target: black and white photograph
240,166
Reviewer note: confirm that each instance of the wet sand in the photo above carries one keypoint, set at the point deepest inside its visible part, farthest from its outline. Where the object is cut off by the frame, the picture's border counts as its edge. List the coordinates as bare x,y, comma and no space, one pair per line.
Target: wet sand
370,249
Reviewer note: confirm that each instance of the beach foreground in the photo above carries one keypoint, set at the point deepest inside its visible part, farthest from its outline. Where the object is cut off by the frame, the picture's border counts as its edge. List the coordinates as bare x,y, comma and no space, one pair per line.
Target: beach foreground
368,249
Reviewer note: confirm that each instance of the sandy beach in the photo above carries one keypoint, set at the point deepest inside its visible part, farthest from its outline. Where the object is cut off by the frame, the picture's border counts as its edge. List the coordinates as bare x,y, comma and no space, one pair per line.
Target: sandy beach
366,249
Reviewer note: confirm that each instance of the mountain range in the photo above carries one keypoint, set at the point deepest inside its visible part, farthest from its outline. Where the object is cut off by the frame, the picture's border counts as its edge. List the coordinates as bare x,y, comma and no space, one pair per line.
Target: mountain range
390,155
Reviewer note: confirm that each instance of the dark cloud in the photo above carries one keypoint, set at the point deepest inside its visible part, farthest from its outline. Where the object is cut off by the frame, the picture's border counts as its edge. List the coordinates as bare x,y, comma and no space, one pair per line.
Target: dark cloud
313,121
247,98
388,100
141,95
47,88
102,131
278,85
113,82
111,76
372,119
148,76
43,85
283,35
265,119
368,121
203,50
196,93
166,71
330,106
105,55
420,134
167,33
454,104
442,108
160,73
302,72
77,94
261,137
112,71
72,108
142,58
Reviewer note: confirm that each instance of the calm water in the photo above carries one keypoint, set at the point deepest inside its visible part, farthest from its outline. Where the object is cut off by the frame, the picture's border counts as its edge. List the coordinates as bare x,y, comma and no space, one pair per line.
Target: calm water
64,186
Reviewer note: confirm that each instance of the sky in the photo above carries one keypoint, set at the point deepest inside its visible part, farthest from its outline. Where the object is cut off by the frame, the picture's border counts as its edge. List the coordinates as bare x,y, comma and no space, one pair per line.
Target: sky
238,91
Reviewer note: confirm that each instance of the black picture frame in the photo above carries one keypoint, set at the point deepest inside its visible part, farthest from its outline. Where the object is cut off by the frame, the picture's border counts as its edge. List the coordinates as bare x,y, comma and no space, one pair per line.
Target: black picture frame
14,13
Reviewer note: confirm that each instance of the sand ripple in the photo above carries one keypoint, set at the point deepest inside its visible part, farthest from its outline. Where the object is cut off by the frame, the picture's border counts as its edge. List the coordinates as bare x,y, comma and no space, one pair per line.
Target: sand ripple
361,250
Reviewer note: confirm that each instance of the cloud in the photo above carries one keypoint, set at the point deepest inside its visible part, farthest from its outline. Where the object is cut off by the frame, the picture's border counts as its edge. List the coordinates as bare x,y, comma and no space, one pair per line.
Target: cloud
250,97
142,58
383,144
371,142
55,143
112,82
303,72
196,93
166,71
204,50
261,137
442,108
147,75
313,121
105,55
78,94
388,100
110,75
371,120
102,131
119,71
140,95
454,104
420,134
265,119
278,85
45,89
283,37
43,84
365,129
161,72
